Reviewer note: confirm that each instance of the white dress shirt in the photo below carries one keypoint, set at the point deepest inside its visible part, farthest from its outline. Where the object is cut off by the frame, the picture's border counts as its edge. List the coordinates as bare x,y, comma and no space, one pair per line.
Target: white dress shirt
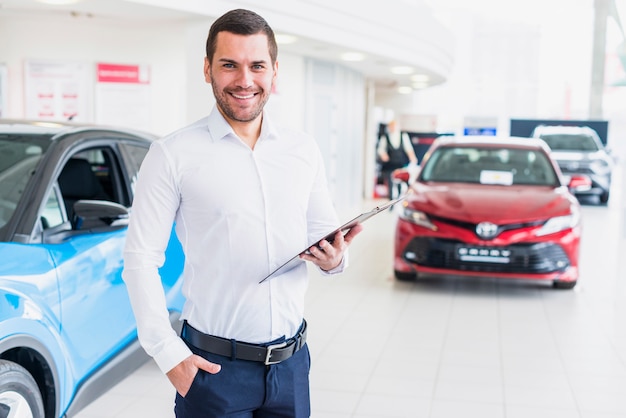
239,214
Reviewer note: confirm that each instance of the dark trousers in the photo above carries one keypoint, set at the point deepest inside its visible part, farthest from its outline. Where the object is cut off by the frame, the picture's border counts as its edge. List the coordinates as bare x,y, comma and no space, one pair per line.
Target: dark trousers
393,189
249,389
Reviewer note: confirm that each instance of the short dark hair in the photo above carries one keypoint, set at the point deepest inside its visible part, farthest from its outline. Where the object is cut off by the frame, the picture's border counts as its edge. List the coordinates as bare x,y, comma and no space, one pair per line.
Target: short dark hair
241,22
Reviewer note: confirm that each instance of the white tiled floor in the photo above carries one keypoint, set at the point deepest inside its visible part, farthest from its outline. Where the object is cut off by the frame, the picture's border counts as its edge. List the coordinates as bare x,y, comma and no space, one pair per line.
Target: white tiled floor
452,348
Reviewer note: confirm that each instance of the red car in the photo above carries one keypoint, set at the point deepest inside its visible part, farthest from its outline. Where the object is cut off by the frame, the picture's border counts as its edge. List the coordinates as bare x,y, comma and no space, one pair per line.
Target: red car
489,207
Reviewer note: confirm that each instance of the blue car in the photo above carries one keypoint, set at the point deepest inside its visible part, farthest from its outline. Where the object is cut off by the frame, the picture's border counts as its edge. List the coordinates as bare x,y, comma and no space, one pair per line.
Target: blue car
67,331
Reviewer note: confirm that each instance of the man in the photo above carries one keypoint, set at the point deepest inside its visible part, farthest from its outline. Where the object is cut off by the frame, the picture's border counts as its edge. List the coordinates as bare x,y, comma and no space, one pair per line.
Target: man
244,196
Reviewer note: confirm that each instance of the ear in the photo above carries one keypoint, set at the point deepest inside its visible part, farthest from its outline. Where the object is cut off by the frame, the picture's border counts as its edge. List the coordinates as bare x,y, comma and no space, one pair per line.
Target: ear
207,70
274,76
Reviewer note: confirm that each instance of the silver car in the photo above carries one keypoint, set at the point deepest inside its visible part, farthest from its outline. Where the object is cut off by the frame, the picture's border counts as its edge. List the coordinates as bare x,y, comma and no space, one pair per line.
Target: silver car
578,150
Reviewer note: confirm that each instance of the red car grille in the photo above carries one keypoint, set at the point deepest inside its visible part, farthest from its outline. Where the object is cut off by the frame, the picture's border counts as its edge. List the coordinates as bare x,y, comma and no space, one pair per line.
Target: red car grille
540,258
471,226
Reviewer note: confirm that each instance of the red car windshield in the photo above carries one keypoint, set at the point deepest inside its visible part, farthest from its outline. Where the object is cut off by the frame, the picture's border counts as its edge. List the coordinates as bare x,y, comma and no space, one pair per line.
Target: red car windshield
500,166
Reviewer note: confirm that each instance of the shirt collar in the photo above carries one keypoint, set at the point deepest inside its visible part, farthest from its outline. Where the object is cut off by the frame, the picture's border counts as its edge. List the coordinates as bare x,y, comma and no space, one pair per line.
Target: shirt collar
219,127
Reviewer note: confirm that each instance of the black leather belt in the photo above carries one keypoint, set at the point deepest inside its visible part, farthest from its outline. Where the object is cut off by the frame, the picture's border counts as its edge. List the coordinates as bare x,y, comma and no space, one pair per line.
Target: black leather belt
267,354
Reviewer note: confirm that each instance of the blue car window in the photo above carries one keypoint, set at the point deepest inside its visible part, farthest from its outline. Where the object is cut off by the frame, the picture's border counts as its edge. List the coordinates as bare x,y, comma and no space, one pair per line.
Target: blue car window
19,156
52,214
133,157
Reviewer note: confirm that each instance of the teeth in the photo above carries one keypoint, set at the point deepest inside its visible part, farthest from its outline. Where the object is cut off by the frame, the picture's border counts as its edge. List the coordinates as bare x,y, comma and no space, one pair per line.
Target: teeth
243,97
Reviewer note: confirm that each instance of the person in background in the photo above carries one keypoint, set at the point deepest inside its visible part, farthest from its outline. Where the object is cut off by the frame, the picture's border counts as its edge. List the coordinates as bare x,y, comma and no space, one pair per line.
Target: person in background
244,195
394,151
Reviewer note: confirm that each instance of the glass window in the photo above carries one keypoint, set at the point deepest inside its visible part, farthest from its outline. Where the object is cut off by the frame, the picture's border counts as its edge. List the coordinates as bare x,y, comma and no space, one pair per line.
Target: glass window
133,157
19,156
52,214
89,175
568,142
503,166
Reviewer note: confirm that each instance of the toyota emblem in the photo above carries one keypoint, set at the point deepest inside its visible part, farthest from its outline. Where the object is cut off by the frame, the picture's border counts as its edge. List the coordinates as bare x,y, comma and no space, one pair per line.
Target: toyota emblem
486,230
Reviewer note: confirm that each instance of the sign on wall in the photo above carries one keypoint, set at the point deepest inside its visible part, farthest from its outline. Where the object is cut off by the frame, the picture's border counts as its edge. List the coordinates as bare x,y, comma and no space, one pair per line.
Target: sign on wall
56,90
476,125
123,95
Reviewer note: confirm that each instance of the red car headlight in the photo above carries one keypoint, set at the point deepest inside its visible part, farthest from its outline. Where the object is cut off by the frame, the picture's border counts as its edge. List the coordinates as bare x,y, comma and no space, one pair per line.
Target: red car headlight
417,217
558,224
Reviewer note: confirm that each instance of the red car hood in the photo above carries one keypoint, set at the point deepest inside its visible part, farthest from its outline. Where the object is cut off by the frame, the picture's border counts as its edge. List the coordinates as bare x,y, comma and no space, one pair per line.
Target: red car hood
497,204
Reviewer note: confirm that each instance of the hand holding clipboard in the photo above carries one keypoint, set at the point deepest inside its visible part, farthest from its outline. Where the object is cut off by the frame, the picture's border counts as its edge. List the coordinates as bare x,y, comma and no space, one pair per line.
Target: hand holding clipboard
296,260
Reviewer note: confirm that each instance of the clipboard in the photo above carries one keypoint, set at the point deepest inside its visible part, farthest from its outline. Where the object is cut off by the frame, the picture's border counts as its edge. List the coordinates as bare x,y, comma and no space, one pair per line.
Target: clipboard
296,260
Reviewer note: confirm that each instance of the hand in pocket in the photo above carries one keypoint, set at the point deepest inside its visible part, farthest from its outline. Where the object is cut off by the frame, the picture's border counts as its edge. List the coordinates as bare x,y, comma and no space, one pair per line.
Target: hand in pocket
183,374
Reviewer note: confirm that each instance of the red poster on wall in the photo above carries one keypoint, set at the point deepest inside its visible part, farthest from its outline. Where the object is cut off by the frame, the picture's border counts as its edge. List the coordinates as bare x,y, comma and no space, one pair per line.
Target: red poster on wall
120,73
123,95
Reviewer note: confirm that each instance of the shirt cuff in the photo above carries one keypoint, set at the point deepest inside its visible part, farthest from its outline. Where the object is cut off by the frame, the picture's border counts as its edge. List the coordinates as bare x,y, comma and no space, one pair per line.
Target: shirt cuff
172,354
339,269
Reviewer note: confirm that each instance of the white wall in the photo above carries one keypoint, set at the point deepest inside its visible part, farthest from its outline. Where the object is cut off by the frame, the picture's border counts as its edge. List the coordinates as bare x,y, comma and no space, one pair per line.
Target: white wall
92,41
335,114
199,96
175,54
397,29
533,61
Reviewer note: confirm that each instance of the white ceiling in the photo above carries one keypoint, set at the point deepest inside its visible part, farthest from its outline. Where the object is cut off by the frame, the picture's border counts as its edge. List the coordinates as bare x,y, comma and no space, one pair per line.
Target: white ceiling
375,68
100,9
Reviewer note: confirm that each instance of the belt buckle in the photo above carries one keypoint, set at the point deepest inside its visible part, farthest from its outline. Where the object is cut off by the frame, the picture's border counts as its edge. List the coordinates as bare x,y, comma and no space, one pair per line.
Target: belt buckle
271,348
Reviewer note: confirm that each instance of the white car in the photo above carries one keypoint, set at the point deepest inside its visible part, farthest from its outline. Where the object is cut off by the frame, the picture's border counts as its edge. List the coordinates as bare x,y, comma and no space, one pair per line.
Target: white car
579,151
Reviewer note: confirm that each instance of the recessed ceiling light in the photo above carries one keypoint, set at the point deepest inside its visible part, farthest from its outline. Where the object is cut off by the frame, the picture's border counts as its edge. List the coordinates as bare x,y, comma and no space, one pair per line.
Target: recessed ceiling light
419,85
402,70
352,56
420,77
404,89
285,39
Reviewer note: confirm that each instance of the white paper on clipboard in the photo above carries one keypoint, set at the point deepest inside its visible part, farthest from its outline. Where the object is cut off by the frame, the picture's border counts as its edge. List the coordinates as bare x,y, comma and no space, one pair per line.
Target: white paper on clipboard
296,260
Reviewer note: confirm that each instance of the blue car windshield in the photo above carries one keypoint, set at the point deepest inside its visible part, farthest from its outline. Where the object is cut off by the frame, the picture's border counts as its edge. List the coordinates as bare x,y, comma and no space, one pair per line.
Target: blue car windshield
499,166
19,155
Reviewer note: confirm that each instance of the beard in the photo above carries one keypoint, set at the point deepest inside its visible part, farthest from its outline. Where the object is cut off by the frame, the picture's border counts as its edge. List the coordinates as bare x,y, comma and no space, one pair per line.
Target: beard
232,110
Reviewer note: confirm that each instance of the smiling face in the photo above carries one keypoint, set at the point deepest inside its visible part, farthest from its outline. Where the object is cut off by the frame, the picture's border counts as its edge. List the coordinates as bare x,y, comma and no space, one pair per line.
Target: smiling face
241,74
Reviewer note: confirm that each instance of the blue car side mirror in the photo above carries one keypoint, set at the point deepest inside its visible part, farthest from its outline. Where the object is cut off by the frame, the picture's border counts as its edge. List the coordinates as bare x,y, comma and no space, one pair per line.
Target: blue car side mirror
90,214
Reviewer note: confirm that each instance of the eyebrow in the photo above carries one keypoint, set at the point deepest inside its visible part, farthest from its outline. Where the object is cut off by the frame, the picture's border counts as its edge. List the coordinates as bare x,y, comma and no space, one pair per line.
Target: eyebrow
232,61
